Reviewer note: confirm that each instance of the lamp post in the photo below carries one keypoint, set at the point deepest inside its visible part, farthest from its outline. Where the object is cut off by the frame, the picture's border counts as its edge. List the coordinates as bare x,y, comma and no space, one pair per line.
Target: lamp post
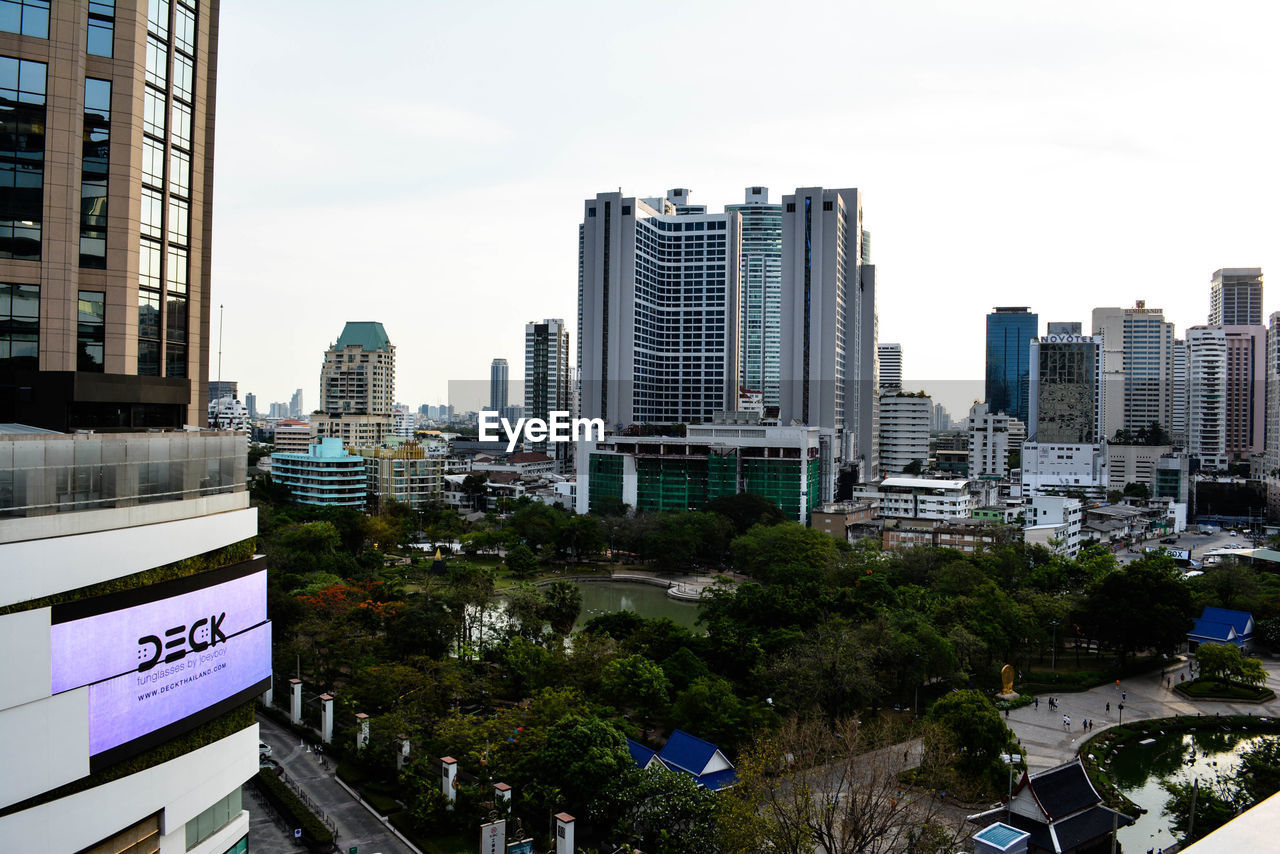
1053,648
1120,706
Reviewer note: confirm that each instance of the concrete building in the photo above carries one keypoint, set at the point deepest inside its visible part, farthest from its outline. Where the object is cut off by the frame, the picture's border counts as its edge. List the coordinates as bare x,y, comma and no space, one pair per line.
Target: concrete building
499,383
904,432
1064,469
1235,297
1010,330
1179,392
1128,464
760,308
1246,391
1227,392
940,420
228,414
667,473
404,472
962,535
658,293
219,389
991,437
403,421
1137,361
296,407
1054,522
104,254
890,366
1065,399
357,386
93,761
924,498
846,520
292,436
829,372
546,379
326,475
1207,395
1271,461
251,404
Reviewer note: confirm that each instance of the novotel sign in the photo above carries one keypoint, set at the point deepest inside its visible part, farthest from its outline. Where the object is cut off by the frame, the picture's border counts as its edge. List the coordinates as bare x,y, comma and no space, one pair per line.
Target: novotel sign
163,659
1069,339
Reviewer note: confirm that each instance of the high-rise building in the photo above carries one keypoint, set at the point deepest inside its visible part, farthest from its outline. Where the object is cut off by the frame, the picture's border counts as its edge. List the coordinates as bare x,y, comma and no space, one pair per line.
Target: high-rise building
760,311
1009,333
1179,389
1235,297
219,389
546,378
1207,395
499,382
1063,328
1065,399
1246,390
1137,362
1271,460
402,421
296,407
890,366
658,287
107,154
251,404
904,432
992,435
829,337
357,386
940,420
126,721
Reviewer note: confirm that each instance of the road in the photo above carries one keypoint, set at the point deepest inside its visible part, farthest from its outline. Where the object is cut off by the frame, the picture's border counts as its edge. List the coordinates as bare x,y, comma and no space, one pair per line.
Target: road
357,826
1199,544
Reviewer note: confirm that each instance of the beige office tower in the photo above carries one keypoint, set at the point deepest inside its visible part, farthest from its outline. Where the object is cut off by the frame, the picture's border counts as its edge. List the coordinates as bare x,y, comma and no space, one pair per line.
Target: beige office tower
357,386
1137,367
105,202
1271,460
1235,297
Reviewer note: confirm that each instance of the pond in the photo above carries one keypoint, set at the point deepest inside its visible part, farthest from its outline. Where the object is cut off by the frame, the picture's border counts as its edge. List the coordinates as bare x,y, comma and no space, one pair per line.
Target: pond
647,600
1138,770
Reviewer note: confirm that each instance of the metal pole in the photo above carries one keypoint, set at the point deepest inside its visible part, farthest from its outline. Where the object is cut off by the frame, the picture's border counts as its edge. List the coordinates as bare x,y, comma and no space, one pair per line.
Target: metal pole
217,404
1191,825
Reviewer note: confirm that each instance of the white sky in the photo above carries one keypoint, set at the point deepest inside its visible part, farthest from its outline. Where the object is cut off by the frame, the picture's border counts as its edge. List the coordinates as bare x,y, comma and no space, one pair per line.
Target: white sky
424,163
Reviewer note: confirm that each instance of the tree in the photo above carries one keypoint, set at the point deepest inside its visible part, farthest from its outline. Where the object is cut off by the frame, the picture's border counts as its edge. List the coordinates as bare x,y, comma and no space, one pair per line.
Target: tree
914,467
980,734
746,511
564,603
1137,489
522,562
527,611
474,486
1225,661
787,553
709,709
582,754
1146,605
637,683
661,811
1217,802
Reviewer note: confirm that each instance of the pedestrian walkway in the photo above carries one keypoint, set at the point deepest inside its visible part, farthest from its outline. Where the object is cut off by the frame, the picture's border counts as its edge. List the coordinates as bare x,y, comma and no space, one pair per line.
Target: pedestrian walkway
1048,742
357,826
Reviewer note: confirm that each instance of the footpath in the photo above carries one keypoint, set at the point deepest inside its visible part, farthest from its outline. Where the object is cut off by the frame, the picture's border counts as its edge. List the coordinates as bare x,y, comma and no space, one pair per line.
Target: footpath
357,826
1049,743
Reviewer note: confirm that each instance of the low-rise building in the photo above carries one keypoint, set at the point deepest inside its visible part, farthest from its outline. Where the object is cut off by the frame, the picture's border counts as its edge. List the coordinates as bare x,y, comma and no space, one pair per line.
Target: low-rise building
1054,522
325,475
847,520
951,463
1054,468
1128,464
403,472
291,436
925,498
965,535
522,464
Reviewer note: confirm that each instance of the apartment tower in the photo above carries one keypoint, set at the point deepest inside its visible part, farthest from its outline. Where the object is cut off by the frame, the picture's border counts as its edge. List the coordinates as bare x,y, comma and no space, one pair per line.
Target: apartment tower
357,386
499,381
1235,297
760,307
1137,365
105,222
890,366
546,376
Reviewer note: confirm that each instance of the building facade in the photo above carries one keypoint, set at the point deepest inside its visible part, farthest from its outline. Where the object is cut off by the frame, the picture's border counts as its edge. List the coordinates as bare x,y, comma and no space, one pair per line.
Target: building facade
1235,297
1065,400
904,432
760,307
991,437
292,436
106,742
325,475
546,378
1246,391
1207,395
1271,459
1066,469
1010,330
658,288
104,227
357,386
1054,522
405,472
499,382
1137,363
890,366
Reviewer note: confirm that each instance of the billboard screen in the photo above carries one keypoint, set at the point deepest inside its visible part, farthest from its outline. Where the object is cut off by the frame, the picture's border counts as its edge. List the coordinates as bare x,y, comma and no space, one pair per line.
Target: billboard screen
162,659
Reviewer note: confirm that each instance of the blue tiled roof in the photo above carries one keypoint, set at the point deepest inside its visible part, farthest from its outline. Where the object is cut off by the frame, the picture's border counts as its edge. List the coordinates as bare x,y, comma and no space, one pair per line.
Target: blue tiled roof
686,752
717,780
640,754
1238,620
1212,630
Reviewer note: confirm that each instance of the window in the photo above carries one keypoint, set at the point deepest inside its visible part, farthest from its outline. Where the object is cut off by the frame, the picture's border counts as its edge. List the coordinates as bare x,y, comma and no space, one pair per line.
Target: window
153,162
102,16
184,29
179,172
93,174
158,18
157,62
91,331
179,216
19,325
25,17
153,109
181,125
152,213
22,117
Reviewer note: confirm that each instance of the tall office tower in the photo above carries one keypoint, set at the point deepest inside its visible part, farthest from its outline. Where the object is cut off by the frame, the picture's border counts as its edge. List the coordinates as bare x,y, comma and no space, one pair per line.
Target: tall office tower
657,310
1246,390
1235,297
219,389
357,386
890,366
760,311
829,370
904,432
499,381
107,154
1179,377
251,404
546,375
1009,333
1065,400
1207,395
1271,460
296,407
1137,361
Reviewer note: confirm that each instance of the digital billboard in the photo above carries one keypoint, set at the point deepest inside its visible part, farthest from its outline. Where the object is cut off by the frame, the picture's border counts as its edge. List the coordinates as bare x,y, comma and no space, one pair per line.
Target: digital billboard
162,659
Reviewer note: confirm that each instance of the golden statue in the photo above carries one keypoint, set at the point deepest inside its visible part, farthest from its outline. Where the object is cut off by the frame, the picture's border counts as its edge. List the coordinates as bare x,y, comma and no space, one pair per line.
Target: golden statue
1006,682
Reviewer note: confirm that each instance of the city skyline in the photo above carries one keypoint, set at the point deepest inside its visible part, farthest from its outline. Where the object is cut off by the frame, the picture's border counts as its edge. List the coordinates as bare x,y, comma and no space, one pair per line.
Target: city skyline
1054,150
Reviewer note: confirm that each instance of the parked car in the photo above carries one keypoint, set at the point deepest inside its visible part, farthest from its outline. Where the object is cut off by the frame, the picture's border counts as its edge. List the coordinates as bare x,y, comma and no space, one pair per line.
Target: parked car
264,749
265,764
1169,541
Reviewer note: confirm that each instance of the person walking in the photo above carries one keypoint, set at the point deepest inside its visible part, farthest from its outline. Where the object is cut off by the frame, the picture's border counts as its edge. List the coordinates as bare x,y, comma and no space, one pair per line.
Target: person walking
1108,707
1037,704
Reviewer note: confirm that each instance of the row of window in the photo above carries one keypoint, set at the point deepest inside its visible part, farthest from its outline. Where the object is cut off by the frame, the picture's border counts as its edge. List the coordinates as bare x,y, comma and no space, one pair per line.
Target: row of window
20,327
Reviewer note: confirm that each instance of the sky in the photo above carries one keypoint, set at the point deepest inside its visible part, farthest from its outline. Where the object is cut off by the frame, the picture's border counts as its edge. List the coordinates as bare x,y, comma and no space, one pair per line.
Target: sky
424,164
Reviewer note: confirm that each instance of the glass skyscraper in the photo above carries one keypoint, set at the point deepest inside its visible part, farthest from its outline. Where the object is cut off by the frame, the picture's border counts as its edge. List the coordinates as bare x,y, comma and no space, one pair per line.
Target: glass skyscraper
1009,333
760,312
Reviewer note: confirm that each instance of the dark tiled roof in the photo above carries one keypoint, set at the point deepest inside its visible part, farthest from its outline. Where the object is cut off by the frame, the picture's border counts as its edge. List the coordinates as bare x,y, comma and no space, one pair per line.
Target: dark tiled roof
529,457
1064,790
1088,826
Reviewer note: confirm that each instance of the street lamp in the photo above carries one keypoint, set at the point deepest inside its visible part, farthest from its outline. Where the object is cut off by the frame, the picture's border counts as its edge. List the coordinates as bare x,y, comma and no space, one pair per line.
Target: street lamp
1053,649
1120,706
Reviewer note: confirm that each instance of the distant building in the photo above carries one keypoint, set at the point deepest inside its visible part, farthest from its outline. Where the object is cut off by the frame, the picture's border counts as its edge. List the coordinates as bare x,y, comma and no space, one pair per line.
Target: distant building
499,383
924,498
904,432
546,378
1235,297
846,520
296,407
405,472
1137,361
1064,469
251,404
1065,401
991,438
402,421
1010,330
1271,459
1128,464
219,389
228,414
357,386
760,308
326,475
292,436
1054,522
890,366
963,535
